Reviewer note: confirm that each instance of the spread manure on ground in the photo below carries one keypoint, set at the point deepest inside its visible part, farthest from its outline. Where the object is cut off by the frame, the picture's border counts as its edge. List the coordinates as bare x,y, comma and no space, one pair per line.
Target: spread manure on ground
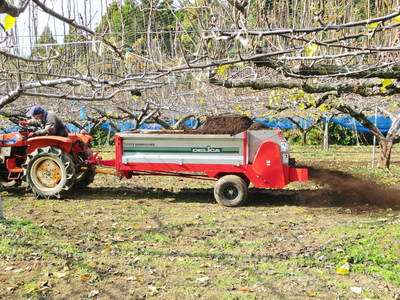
349,190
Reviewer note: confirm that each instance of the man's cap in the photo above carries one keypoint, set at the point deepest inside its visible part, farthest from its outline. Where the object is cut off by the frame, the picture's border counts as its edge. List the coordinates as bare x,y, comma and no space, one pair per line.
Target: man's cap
35,110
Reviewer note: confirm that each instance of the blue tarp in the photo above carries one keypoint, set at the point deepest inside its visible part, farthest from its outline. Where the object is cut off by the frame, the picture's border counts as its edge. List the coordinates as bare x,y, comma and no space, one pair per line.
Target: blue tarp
286,123
128,125
382,123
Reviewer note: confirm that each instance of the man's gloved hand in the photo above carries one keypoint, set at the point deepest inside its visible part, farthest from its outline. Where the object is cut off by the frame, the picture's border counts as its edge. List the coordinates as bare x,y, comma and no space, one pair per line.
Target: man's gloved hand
23,123
31,134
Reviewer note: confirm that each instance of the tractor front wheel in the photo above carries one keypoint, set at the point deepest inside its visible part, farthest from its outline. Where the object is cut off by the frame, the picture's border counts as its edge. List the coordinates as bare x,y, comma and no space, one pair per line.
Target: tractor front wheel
86,177
49,172
231,190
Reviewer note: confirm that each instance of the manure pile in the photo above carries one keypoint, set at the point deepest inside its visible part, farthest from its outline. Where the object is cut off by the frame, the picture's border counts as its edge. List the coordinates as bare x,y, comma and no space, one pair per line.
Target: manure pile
225,124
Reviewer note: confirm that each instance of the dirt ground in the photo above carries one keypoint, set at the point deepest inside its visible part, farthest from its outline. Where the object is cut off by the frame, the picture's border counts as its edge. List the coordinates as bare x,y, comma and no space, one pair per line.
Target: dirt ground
336,237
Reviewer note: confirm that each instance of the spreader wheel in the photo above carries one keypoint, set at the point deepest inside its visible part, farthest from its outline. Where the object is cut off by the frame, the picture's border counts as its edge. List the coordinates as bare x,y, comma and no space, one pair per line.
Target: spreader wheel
231,190
49,172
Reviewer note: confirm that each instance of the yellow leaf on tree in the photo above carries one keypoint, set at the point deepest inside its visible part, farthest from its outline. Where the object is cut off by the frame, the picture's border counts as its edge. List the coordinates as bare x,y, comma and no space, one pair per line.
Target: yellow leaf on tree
322,108
302,105
137,43
237,107
397,19
386,83
311,48
313,103
222,69
202,101
373,26
9,22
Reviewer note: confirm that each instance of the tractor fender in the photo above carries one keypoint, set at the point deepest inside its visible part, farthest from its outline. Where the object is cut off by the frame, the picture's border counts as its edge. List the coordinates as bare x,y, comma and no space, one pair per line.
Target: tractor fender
49,140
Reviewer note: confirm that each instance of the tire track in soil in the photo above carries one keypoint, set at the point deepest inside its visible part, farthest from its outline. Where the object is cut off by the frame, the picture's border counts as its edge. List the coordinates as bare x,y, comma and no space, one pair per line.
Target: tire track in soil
349,190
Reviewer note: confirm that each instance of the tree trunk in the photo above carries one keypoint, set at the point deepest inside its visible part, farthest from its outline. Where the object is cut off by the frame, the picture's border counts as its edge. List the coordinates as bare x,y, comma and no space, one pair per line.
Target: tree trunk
386,150
304,137
326,135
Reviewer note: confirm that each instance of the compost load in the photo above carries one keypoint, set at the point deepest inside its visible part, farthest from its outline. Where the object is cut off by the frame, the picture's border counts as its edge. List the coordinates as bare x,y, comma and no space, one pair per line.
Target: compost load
225,124
228,124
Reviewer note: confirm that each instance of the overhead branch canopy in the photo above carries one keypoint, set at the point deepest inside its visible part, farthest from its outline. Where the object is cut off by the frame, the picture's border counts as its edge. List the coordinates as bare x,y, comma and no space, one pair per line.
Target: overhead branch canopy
364,89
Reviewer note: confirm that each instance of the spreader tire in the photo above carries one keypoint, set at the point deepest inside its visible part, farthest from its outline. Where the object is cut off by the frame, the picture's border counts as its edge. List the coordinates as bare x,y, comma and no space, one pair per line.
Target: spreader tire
231,190
49,172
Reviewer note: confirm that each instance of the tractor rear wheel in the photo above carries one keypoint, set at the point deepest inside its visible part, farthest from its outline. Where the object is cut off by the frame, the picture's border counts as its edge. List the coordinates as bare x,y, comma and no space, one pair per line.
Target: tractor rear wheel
231,190
49,172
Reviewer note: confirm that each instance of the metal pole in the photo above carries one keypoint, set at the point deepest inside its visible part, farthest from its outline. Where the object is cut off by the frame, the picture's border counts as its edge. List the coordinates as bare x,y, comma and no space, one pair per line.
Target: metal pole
374,140
109,133
1,207
356,132
326,134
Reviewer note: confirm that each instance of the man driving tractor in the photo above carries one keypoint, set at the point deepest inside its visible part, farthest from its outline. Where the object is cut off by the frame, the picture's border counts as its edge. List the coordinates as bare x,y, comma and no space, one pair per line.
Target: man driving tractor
47,122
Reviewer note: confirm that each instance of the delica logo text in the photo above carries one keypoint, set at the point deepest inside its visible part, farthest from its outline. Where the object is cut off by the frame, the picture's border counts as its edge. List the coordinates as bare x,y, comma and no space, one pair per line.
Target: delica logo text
207,149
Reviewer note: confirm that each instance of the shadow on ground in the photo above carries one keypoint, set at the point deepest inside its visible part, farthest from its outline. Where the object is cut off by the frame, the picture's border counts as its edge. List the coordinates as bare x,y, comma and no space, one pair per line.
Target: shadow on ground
337,189
323,197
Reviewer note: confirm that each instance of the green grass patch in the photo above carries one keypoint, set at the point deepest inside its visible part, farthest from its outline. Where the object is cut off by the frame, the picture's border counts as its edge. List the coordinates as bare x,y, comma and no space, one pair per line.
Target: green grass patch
372,250
18,236
155,237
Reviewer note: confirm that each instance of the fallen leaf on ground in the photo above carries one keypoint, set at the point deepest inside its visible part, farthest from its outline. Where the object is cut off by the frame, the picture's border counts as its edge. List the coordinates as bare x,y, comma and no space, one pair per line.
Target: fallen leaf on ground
344,269
203,279
133,278
84,277
93,294
17,270
356,289
311,293
59,274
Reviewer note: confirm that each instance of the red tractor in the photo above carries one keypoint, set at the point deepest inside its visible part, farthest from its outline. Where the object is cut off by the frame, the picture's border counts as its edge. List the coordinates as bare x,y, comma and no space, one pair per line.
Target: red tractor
50,165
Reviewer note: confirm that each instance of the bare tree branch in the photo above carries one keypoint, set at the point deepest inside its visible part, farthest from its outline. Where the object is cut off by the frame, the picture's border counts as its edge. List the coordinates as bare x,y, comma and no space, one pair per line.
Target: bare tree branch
365,89
37,60
13,95
12,10
76,25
